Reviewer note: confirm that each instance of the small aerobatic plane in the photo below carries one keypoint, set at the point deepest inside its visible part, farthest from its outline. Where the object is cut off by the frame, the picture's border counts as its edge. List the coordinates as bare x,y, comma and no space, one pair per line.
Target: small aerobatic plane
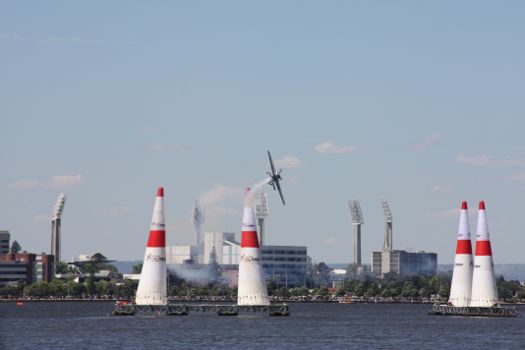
275,177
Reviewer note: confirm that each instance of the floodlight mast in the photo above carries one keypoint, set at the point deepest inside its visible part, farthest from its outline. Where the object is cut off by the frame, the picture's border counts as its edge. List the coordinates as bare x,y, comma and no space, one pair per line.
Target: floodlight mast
261,212
56,217
388,244
357,221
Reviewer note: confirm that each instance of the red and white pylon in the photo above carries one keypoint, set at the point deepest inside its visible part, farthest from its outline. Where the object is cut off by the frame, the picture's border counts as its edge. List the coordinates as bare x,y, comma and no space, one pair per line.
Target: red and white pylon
484,290
461,286
252,286
152,285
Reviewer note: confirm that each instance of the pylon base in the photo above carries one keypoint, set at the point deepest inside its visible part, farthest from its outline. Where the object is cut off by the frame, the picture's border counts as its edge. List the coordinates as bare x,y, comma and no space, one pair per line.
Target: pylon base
496,311
185,309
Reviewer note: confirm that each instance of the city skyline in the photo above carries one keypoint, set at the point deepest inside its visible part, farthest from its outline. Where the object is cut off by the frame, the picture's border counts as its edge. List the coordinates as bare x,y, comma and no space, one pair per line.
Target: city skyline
419,103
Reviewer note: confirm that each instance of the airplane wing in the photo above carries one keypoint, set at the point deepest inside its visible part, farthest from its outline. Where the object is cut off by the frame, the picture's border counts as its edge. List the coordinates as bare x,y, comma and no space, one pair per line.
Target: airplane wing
271,163
280,192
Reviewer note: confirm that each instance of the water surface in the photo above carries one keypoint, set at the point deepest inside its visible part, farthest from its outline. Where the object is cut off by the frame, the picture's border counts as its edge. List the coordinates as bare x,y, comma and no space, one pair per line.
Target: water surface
89,325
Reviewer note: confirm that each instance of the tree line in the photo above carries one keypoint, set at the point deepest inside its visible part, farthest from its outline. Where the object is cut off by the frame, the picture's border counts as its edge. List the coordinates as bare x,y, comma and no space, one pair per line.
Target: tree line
317,285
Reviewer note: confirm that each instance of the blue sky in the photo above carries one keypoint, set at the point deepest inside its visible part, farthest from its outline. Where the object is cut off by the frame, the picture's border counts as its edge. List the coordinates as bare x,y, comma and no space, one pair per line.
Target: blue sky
418,102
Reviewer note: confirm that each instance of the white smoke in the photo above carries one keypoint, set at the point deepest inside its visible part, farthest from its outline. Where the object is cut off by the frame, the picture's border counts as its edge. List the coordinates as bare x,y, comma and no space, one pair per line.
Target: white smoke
217,203
190,273
249,201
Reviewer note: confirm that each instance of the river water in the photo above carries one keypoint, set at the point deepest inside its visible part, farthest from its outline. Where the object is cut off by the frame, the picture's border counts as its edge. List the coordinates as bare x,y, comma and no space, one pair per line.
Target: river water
89,325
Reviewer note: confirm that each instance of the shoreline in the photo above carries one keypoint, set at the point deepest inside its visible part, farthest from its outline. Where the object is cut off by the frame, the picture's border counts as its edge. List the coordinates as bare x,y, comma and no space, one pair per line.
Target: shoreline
207,300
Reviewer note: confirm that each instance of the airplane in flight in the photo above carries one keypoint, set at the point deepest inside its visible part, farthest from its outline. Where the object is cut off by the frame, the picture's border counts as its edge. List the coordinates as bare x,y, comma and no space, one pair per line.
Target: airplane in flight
275,177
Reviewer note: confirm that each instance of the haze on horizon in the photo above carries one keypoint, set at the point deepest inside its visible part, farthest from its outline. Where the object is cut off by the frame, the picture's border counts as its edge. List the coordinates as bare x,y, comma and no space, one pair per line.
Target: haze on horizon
420,103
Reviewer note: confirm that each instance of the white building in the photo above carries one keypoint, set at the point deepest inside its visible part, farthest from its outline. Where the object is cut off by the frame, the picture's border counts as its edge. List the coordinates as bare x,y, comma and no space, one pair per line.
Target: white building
217,240
83,257
231,253
180,254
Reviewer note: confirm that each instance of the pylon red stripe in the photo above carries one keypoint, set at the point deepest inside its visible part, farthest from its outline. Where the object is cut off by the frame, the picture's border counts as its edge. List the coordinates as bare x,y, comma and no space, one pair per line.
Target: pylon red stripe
463,247
249,239
483,248
157,239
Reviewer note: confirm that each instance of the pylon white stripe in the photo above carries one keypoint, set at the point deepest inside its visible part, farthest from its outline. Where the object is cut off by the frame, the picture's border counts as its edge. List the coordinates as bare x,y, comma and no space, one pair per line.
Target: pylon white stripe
152,284
252,285
461,286
484,290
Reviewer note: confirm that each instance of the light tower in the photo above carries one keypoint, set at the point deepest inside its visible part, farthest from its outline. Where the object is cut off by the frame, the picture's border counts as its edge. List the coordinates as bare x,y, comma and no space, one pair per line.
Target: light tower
56,217
357,221
198,221
261,212
387,246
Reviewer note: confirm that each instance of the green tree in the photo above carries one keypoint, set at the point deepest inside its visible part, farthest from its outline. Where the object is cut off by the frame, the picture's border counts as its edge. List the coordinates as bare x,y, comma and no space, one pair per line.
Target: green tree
10,291
137,268
98,262
15,247
318,274
104,288
301,291
351,272
37,289
57,288
127,289
508,290
76,289
408,290
90,285
61,267
215,268
520,295
424,293
271,287
323,291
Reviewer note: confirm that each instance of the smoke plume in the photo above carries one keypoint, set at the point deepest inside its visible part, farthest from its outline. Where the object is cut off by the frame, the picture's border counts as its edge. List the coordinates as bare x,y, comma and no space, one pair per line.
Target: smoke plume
249,201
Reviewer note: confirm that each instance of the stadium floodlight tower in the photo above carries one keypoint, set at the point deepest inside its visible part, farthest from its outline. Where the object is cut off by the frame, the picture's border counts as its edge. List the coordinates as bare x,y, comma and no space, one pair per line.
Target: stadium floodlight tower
357,221
261,212
198,221
387,246
56,217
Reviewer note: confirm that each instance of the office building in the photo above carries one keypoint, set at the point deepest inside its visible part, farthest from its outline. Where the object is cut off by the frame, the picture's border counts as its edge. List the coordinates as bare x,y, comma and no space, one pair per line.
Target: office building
26,267
400,262
4,242
404,263
285,265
